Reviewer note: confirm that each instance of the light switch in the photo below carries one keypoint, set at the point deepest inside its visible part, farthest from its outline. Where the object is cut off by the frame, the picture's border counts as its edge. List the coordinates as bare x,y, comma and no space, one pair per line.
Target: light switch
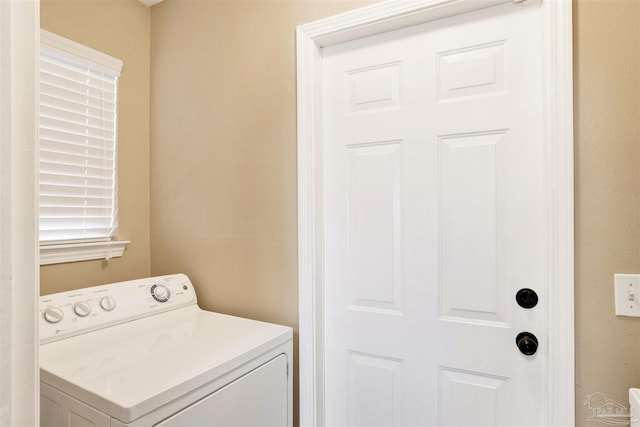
627,294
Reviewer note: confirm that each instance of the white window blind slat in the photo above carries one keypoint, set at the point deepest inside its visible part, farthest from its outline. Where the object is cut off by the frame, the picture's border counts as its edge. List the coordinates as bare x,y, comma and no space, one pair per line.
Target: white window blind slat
90,169
79,95
50,59
58,146
56,184
69,76
100,124
87,234
71,202
57,136
52,101
73,153
75,223
57,64
92,155
93,89
72,215
76,129
78,114
75,191
48,89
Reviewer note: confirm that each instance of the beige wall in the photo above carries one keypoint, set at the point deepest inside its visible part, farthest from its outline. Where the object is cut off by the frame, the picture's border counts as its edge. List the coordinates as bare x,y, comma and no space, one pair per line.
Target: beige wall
223,159
120,28
607,194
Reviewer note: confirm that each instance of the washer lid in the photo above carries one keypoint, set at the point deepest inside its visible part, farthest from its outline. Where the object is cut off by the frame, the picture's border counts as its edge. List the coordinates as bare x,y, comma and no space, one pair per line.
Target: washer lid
131,369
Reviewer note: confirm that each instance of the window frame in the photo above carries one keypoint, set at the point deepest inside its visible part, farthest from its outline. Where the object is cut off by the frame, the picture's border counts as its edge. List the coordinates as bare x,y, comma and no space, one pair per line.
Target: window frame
81,249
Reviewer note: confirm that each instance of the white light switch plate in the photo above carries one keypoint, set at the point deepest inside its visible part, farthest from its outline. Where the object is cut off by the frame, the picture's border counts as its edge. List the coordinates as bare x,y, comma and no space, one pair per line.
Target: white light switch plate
627,291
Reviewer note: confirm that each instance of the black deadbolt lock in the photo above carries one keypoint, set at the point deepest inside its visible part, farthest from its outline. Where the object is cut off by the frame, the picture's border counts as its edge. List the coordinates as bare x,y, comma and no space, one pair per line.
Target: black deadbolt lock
527,343
527,298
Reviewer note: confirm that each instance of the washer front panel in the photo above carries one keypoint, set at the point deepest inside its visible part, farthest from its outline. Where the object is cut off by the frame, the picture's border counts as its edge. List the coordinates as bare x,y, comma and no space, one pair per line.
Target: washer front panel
133,368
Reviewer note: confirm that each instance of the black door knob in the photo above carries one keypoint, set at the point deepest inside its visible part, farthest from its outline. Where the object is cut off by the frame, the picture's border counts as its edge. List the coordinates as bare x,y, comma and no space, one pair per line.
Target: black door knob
527,343
527,298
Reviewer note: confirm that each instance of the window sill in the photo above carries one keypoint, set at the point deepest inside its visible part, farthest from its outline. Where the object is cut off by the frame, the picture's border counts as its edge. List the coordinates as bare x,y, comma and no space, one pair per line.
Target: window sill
72,252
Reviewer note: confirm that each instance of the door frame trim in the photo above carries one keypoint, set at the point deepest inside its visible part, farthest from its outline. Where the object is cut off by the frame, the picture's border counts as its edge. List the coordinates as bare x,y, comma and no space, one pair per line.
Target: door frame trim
19,272
558,173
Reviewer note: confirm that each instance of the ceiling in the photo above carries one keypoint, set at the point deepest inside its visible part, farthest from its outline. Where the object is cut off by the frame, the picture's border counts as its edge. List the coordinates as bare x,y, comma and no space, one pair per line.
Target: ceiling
149,3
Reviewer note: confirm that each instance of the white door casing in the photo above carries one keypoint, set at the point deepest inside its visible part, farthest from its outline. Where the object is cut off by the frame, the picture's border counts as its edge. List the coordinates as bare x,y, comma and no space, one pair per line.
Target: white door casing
557,182
19,372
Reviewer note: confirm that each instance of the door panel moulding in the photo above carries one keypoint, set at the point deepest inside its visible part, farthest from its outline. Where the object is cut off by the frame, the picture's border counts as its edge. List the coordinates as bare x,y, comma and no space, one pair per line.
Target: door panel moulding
558,147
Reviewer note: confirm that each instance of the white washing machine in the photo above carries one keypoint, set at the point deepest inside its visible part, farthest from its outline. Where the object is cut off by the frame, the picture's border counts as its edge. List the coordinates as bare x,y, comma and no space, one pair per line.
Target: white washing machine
143,353
634,403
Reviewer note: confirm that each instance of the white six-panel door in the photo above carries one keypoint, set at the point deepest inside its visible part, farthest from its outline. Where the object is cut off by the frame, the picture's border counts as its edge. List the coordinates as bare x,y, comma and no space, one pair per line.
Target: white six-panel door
433,220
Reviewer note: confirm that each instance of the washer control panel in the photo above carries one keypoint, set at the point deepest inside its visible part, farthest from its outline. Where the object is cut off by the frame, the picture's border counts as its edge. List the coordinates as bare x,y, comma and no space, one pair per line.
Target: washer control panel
160,292
70,313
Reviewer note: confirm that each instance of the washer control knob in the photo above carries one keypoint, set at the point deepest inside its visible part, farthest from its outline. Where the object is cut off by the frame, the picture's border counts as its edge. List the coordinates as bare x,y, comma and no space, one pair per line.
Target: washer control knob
107,303
53,315
82,308
160,293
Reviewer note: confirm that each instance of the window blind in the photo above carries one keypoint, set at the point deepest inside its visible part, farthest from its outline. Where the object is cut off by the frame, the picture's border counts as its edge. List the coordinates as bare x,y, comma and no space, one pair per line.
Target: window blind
78,128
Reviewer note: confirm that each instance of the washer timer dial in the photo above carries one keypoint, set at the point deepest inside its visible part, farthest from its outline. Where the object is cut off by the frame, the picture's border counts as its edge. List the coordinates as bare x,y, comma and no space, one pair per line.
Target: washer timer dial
82,309
53,315
160,293
107,303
